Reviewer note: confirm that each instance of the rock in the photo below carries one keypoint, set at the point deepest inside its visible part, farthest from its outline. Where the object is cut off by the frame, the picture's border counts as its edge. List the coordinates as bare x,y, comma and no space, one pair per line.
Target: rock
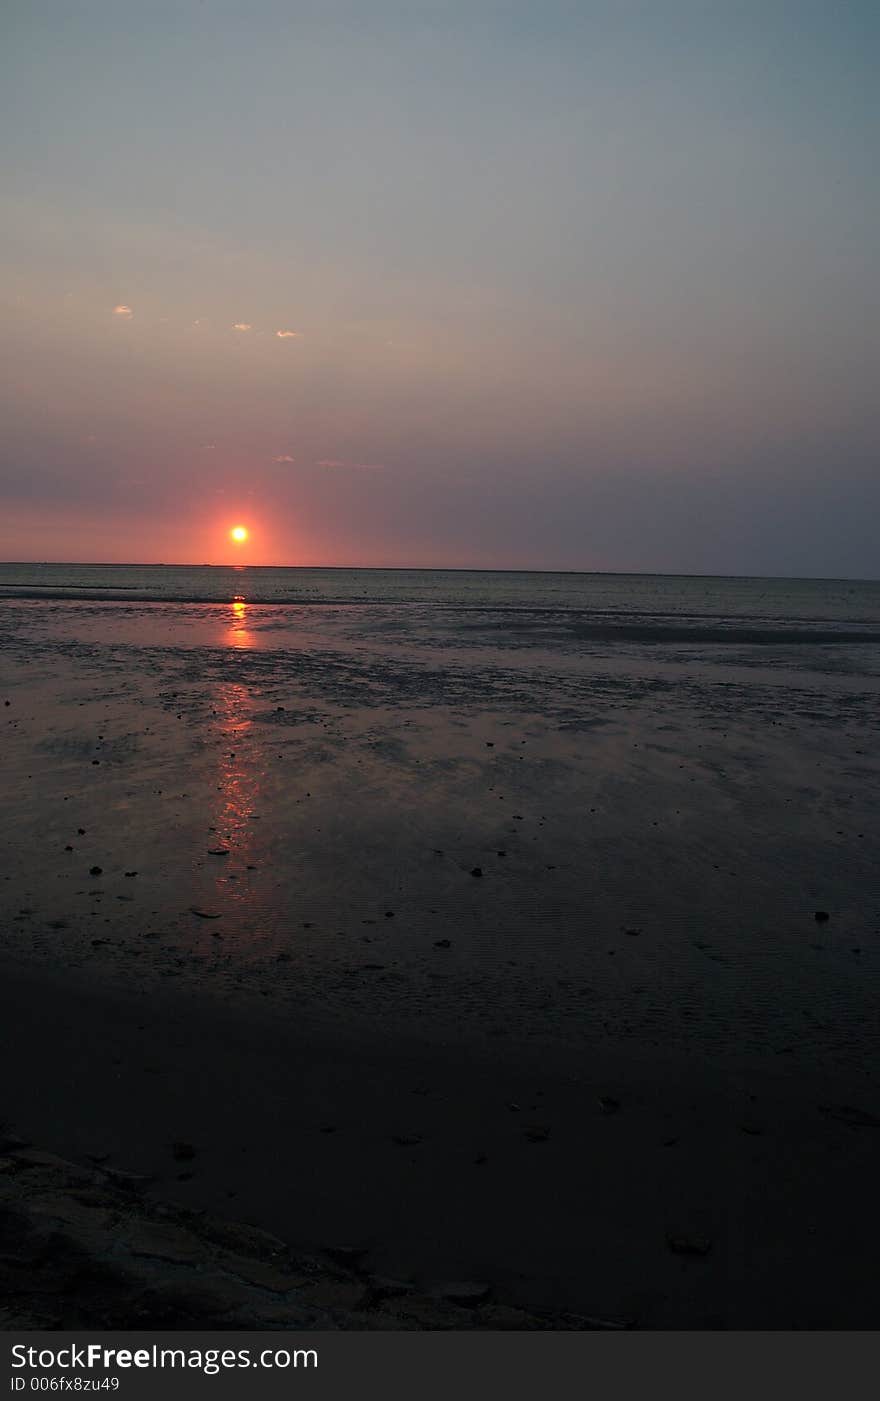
847,1114
12,1142
689,1245
477,871
591,1323
218,851
608,1104
537,1133
129,874
183,1151
442,943
468,1293
152,1240
203,914
95,871
128,1181
821,916
406,1140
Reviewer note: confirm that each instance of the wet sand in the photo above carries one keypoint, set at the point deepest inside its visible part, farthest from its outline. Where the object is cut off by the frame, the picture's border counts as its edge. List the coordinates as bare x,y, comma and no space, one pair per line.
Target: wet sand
623,1071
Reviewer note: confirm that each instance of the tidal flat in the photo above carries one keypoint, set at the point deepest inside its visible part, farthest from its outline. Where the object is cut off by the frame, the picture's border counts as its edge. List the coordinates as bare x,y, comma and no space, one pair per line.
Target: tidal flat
518,947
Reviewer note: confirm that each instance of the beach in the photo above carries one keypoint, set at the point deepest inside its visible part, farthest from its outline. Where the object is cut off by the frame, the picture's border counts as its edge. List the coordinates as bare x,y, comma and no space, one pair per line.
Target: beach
533,945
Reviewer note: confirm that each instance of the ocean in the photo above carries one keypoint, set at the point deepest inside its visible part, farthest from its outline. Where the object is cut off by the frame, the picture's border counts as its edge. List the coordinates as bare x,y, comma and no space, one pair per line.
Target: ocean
625,605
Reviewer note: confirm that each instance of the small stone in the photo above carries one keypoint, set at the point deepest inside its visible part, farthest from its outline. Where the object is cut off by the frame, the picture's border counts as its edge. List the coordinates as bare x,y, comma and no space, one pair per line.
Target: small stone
821,916
95,871
442,943
477,871
128,1181
182,1152
689,1245
608,1104
406,1140
468,1293
847,1114
204,914
218,851
537,1133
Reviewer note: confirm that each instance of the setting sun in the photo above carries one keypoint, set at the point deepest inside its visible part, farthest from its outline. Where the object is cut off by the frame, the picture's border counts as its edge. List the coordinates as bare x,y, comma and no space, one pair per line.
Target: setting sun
239,534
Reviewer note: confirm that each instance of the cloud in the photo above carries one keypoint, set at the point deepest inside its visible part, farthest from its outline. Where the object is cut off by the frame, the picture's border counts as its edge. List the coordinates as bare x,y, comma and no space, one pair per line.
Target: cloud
288,335
354,466
284,457
242,326
123,310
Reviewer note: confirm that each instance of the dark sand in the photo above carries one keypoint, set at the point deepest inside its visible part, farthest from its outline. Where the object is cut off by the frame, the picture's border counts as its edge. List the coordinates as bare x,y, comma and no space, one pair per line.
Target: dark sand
640,1081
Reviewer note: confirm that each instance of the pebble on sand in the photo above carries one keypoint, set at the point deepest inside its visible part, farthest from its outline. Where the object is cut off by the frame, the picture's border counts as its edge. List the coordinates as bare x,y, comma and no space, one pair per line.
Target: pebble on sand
689,1245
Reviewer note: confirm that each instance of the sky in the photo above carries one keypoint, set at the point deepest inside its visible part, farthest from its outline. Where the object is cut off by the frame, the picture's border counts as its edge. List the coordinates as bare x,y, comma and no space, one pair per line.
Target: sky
481,283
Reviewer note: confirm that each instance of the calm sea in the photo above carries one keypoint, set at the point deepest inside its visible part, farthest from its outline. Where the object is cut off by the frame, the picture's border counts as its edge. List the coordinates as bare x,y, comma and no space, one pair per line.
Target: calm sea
625,601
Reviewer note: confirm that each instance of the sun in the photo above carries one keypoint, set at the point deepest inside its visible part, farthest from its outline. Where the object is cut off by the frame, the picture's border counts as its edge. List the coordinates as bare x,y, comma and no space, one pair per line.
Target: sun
239,533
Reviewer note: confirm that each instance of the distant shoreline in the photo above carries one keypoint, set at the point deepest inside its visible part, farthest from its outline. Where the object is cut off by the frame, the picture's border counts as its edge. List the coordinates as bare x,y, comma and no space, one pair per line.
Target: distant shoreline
442,569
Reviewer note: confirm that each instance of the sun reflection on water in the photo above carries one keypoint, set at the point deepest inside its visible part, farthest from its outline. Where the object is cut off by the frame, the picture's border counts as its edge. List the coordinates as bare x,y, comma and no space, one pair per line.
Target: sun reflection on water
238,633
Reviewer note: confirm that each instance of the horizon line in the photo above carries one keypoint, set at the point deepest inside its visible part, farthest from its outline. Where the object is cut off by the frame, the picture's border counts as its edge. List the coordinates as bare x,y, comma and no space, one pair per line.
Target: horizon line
441,569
